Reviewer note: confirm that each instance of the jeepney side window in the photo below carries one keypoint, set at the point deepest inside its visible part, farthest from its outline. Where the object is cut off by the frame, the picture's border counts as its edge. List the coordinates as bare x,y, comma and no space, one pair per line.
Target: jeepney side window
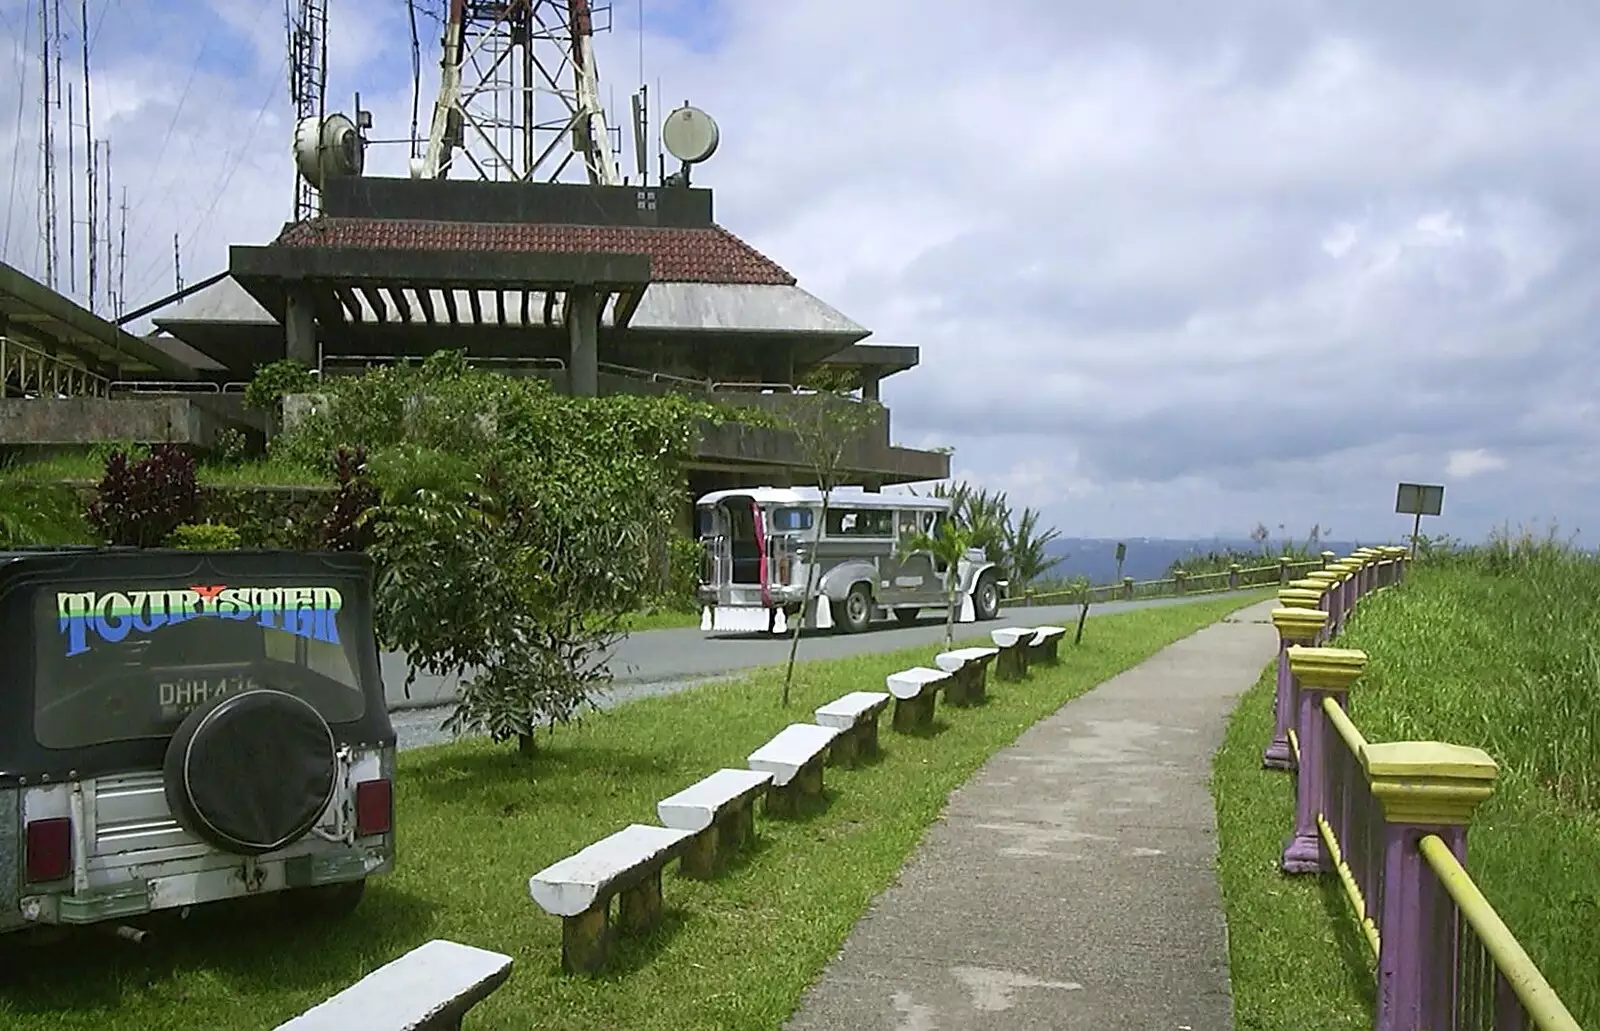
860,523
906,523
792,519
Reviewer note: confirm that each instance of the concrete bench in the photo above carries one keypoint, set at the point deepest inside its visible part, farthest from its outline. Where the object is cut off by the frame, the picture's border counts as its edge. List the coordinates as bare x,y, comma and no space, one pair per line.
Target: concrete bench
915,690
794,758
969,674
855,717
1042,649
1012,641
430,988
579,889
720,812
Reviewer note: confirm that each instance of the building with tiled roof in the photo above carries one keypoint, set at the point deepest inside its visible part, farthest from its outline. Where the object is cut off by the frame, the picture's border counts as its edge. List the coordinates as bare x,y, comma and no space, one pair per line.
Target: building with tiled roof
599,289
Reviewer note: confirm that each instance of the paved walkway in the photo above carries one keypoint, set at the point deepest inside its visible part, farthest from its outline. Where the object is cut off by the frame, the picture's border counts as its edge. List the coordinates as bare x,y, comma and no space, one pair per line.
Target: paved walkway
1071,883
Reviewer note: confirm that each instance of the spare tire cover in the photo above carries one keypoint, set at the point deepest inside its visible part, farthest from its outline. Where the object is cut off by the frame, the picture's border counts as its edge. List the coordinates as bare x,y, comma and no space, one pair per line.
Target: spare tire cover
251,772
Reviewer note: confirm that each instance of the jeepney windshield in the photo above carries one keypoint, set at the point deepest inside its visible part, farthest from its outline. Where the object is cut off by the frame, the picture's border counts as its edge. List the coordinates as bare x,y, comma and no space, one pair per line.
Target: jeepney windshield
115,664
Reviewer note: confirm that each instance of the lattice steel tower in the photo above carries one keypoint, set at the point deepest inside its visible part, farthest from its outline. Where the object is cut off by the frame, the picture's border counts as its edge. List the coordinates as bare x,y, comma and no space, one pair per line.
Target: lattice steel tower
306,22
519,93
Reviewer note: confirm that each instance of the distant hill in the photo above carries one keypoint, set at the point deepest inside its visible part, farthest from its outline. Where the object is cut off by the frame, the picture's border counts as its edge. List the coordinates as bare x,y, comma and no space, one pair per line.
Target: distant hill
1148,558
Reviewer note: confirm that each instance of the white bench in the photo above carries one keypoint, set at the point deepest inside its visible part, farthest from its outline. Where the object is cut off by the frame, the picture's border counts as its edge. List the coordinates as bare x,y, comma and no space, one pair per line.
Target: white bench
579,888
915,691
855,717
720,812
430,988
969,674
794,757
1042,649
1013,641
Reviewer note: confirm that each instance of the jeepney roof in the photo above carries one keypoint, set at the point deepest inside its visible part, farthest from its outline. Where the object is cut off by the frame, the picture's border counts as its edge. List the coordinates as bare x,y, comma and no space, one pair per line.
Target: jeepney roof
841,497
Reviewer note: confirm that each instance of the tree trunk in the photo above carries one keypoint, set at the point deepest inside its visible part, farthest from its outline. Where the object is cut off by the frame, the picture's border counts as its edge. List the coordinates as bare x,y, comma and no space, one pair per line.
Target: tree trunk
811,579
527,746
950,607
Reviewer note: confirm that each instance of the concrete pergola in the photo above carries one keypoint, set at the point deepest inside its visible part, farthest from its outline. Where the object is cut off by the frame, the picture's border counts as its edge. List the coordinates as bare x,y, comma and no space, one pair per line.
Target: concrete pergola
317,293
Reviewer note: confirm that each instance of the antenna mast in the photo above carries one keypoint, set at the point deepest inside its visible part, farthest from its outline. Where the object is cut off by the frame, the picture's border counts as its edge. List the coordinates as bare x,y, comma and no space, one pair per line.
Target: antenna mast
307,25
89,147
499,55
49,41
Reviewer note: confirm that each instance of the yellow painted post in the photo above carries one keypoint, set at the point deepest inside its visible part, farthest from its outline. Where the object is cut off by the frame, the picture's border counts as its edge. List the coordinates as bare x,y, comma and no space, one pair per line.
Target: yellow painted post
1296,626
1422,788
1318,673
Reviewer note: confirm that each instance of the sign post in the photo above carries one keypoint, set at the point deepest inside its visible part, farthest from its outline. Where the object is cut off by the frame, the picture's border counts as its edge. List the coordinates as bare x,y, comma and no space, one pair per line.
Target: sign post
1122,553
1418,499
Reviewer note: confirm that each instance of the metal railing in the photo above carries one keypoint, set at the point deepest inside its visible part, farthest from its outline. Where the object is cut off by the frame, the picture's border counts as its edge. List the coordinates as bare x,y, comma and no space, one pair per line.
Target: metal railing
1367,813
27,372
1183,583
1495,986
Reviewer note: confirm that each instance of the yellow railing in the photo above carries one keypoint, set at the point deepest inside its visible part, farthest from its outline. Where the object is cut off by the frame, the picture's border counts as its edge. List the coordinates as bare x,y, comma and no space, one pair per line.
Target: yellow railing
1352,740
1537,997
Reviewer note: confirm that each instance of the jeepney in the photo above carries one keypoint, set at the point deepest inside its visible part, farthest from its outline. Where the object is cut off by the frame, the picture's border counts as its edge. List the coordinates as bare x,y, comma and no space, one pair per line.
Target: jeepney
759,545
187,727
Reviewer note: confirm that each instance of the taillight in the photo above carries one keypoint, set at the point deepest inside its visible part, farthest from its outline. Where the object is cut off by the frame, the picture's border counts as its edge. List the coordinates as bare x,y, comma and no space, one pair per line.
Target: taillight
783,569
374,807
49,850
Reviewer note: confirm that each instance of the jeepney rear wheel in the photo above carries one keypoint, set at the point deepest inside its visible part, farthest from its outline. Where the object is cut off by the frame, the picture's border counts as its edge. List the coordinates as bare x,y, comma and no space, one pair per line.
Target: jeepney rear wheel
857,609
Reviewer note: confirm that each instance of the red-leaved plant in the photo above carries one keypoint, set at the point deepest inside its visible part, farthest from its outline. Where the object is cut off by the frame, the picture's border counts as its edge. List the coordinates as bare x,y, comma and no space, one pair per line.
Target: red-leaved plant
347,526
139,504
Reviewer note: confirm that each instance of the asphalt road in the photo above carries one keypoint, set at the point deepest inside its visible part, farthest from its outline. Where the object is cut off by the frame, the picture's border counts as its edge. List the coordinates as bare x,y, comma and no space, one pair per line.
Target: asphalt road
662,661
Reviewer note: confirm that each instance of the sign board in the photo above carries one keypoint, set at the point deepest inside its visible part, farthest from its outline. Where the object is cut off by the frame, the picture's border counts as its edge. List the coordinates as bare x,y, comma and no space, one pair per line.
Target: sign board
1122,552
1419,499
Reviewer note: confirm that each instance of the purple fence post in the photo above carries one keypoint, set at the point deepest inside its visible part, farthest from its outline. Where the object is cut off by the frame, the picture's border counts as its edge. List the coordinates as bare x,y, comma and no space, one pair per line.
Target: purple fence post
1402,564
1330,599
1423,787
1300,625
1349,587
1127,587
1318,673
1369,568
1233,576
1328,558
1283,570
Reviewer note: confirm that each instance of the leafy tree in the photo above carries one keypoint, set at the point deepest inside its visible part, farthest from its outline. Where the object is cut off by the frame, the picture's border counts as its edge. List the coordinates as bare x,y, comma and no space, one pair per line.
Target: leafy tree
515,528
1025,549
826,425
948,544
1013,542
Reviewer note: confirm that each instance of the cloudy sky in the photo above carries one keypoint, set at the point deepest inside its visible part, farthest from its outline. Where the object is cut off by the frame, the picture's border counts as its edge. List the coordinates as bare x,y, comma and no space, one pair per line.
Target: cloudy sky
1175,269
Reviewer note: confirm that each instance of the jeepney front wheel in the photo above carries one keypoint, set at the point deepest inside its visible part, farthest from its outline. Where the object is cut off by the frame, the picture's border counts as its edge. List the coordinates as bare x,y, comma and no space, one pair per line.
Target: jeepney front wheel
986,598
857,609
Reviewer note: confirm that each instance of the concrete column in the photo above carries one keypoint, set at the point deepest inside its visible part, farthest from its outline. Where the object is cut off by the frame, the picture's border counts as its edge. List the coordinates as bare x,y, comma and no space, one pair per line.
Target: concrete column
300,329
583,323
869,384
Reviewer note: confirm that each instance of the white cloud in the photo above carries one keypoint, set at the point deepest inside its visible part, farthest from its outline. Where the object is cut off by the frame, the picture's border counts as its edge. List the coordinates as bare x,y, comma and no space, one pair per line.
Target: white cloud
1172,271
1464,465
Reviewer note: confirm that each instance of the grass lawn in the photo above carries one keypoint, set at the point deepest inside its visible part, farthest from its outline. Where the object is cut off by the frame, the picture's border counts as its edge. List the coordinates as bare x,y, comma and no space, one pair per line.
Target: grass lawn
89,467
474,822
1503,662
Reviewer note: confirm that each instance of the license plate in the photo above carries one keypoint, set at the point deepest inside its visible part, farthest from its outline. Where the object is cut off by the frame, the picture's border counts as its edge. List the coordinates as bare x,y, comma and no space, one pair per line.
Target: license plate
178,696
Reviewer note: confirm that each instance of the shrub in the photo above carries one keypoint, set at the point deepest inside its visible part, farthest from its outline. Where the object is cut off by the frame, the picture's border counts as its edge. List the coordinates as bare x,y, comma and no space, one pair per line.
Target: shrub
266,388
139,504
347,525
204,537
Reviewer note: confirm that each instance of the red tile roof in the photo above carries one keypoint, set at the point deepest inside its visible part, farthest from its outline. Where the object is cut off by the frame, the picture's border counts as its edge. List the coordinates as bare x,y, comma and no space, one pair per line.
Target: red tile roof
710,255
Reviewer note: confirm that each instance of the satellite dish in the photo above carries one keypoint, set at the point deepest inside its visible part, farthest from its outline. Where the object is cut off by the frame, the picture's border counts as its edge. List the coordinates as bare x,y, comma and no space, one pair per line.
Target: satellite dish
329,149
690,135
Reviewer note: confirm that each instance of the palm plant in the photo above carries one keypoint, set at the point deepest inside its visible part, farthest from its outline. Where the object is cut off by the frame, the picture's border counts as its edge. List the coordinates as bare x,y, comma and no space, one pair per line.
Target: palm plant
948,544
